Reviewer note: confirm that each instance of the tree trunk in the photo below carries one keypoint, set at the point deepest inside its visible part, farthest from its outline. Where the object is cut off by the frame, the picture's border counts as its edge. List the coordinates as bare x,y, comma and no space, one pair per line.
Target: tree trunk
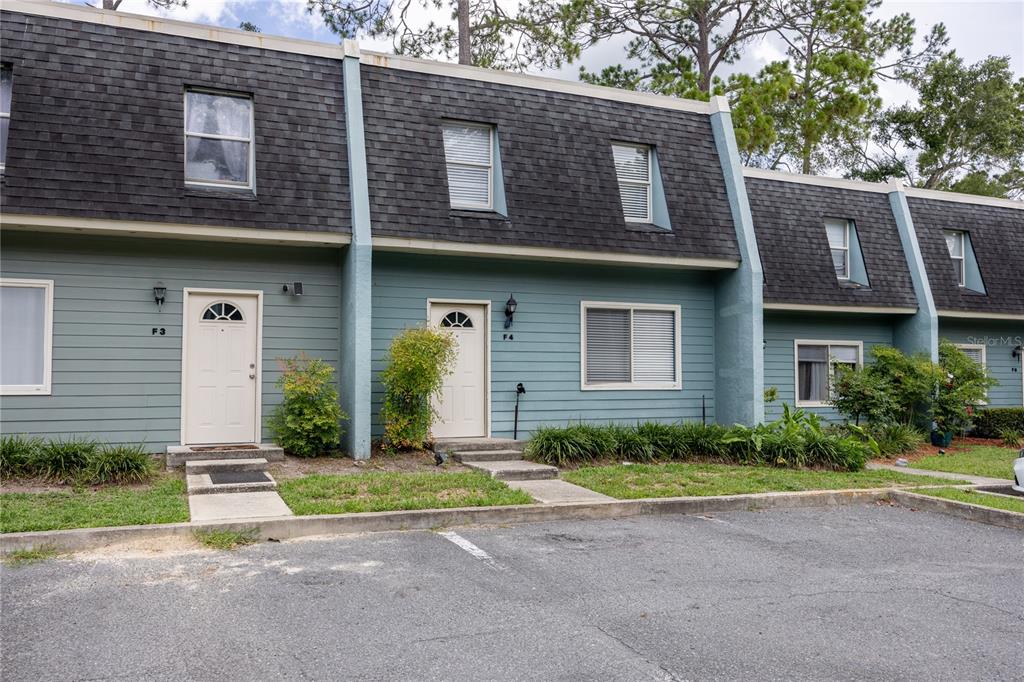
111,4
465,49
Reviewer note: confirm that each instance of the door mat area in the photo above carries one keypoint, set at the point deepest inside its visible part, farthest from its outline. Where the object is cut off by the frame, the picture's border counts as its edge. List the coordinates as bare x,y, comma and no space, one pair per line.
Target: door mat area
224,477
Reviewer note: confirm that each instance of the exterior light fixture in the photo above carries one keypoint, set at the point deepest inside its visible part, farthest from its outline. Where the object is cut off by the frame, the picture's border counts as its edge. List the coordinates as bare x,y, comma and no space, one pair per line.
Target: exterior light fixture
510,310
159,295
295,288
1017,351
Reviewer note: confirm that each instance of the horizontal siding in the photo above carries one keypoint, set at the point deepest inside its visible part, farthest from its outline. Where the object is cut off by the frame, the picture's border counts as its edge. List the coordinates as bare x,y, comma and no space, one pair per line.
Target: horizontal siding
112,378
779,361
999,338
544,353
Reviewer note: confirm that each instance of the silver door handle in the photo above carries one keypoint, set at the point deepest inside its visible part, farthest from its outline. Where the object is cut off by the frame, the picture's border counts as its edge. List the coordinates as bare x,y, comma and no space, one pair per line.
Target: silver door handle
252,376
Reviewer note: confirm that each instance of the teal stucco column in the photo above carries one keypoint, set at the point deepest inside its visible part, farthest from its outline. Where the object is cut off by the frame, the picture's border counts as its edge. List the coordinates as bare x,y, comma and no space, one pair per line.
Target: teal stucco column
918,333
356,272
739,301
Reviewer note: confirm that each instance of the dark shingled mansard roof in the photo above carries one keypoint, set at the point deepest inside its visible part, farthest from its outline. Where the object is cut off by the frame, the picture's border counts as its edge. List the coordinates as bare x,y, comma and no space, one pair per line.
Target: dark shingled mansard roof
559,175
997,235
789,220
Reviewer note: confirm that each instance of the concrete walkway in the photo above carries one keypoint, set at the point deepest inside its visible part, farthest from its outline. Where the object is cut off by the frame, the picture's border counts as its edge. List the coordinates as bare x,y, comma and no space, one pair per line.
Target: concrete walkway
974,480
556,490
228,506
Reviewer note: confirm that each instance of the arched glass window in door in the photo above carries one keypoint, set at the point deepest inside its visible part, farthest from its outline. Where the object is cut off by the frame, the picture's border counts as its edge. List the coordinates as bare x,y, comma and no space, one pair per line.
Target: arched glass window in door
222,312
457,319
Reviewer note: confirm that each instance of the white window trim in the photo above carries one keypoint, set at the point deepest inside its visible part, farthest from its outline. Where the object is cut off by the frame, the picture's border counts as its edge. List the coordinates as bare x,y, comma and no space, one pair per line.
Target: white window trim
489,206
630,386
962,265
46,386
251,140
7,115
984,360
845,249
796,366
649,184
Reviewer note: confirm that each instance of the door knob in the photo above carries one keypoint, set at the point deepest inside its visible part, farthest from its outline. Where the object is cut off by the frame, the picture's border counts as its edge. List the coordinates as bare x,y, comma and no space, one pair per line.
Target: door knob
252,376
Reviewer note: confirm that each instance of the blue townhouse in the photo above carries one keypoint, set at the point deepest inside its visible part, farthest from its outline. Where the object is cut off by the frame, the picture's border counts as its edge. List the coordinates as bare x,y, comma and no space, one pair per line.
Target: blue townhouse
184,206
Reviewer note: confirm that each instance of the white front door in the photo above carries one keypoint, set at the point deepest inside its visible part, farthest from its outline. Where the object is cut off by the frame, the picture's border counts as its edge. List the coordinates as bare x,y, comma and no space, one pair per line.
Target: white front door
463,402
220,373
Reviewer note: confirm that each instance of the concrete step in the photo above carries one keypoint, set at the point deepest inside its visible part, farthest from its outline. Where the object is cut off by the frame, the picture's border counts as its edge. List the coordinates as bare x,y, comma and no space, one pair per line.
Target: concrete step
487,455
476,444
515,470
230,482
207,466
179,455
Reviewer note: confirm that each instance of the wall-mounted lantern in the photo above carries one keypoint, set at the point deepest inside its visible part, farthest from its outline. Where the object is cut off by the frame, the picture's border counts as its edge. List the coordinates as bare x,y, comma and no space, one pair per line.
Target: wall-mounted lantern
295,288
1017,351
510,310
159,295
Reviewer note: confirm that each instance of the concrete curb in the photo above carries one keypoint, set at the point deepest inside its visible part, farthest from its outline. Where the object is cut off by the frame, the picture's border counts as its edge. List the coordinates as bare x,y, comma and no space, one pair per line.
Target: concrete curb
282,528
963,510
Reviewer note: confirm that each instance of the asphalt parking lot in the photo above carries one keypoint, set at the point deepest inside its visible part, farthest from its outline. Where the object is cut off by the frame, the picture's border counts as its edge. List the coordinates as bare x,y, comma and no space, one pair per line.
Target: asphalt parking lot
861,592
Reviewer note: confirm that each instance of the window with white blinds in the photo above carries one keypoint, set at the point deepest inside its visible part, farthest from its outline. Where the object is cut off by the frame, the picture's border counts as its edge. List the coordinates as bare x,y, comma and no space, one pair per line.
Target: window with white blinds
633,168
26,336
630,346
976,352
469,152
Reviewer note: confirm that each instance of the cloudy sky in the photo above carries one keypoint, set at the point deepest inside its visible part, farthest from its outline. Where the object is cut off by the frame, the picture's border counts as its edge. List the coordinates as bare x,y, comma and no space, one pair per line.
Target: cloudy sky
977,28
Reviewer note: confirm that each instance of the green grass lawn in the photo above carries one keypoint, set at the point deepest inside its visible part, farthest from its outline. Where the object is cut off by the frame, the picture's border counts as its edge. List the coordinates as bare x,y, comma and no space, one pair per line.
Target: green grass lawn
1014,504
979,460
703,480
380,491
162,502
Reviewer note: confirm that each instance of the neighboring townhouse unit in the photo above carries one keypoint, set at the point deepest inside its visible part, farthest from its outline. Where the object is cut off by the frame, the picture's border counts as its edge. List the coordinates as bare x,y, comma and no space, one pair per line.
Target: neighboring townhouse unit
183,206
973,251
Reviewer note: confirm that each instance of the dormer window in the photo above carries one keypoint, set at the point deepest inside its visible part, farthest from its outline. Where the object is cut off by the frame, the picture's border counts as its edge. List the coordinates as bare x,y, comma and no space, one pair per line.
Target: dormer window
955,244
839,243
633,168
218,139
6,81
469,153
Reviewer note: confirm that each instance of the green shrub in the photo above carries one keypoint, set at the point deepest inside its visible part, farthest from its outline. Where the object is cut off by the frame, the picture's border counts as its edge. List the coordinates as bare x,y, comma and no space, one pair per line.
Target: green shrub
633,445
964,384
418,361
119,464
559,446
64,461
864,394
1011,438
696,440
663,438
17,455
988,422
307,423
896,439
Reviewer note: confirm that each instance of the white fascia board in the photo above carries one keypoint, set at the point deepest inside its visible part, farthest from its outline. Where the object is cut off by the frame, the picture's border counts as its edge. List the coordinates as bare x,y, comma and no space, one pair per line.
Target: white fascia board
522,80
848,309
401,244
131,228
139,22
957,197
968,315
819,180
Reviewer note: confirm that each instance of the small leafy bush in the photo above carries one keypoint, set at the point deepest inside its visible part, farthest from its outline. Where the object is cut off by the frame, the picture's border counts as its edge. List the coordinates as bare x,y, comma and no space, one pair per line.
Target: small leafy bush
307,423
634,445
1011,438
418,361
896,439
17,455
573,445
701,440
64,461
989,422
119,464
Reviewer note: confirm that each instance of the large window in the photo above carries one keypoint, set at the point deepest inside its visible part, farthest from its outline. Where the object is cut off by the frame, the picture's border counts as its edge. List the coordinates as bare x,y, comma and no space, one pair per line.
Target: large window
839,243
816,363
6,84
630,346
26,314
955,244
976,352
469,152
218,139
633,168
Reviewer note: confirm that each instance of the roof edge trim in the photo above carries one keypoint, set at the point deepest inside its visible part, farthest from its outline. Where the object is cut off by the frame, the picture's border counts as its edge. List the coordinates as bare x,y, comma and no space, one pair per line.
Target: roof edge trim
866,309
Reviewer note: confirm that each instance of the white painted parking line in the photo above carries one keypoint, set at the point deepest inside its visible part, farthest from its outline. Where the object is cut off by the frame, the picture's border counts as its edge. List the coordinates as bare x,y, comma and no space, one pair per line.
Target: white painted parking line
468,546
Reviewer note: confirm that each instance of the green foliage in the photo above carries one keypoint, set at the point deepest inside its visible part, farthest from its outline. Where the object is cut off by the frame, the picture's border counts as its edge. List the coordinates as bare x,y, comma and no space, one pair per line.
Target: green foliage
119,464
64,461
18,455
1011,438
307,423
26,557
965,384
990,421
978,460
863,394
417,362
896,439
